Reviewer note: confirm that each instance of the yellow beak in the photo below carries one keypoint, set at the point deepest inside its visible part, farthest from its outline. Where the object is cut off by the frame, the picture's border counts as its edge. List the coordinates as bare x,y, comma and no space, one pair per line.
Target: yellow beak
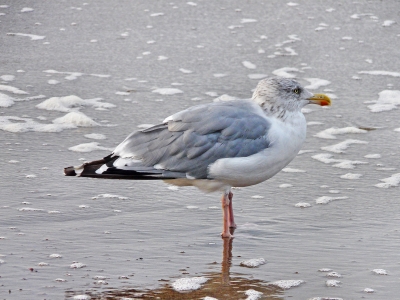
320,99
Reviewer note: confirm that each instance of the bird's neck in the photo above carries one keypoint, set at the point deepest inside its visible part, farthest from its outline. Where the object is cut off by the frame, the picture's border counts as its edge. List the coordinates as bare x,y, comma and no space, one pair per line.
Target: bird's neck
275,110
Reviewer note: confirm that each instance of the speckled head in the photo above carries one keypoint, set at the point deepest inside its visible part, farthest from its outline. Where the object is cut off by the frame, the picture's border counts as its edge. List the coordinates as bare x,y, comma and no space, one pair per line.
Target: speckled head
277,94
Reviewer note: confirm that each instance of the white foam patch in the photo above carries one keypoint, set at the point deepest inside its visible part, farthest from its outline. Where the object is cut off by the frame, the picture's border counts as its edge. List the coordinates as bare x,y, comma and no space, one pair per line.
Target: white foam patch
302,205
291,170
331,133
312,123
55,255
77,265
188,284
383,73
27,9
287,284
244,21
5,100
325,270
285,185
379,271
257,197
327,199
81,297
12,89
332,283
7,77
32,36
340,147
334,274
29,209
388,182
77,119
16,124
284,72
110,196
95,136
253,294
224,97
253,263
388,23
167,91
220,75
316,83
373,156
249,65
88,147
257,76
72,103
292,4
351,176
185,71
388,100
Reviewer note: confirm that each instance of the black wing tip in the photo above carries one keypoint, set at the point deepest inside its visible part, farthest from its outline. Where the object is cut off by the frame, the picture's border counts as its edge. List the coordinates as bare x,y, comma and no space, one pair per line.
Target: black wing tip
69,171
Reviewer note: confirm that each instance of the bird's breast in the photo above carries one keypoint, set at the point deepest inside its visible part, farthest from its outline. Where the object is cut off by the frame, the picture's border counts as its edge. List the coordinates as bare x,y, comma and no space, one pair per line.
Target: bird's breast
286,139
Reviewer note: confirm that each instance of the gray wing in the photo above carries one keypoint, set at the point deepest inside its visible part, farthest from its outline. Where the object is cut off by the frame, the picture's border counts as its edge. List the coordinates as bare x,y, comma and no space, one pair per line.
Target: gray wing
189,141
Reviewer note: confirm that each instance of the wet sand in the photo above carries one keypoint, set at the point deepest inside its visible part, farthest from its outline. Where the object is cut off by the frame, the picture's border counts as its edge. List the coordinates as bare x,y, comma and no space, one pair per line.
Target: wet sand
331,216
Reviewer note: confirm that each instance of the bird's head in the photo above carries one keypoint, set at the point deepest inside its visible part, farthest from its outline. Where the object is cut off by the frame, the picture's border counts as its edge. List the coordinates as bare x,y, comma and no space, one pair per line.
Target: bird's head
278,94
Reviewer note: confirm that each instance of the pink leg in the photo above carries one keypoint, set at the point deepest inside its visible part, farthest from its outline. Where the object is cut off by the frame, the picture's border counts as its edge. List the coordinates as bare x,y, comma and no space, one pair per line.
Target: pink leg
225,211
232,223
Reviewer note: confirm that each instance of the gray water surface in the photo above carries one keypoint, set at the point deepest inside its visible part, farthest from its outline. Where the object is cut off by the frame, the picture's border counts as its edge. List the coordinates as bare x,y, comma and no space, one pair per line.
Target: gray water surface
143,236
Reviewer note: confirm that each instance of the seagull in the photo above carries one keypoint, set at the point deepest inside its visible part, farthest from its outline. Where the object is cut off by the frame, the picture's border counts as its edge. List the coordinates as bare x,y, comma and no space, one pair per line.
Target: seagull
216,146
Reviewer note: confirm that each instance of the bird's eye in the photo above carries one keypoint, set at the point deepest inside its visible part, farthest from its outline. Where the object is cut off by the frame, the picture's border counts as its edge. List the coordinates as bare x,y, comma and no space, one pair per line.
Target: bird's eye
296,91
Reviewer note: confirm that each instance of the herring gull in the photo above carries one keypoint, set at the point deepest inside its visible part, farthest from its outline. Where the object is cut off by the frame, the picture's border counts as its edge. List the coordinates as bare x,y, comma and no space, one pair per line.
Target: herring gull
216,146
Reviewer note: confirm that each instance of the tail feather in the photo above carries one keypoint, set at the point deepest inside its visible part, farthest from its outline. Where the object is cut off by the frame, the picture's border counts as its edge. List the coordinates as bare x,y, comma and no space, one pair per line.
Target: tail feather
111,172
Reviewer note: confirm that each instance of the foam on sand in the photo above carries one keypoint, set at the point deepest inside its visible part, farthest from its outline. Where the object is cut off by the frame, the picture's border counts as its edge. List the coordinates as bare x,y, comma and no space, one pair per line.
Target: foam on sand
17,124
331,133
95,136
89,147
76,119
253,263
287,284
351,176
291,170
302,205
379,271
332,283
327,199
284,72
340,147
388,100
71,103
7,77
253,294
12,89
249,65
391,181
384,73
32,36
316,83
167,91
340,163
188,284
5,100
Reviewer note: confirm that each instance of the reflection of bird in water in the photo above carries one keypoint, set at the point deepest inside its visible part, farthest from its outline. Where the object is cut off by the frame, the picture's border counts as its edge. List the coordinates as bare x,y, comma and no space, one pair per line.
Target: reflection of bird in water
216,146
220,285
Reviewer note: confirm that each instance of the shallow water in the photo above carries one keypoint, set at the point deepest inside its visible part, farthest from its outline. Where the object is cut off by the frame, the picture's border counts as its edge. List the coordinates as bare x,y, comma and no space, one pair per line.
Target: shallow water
143,236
